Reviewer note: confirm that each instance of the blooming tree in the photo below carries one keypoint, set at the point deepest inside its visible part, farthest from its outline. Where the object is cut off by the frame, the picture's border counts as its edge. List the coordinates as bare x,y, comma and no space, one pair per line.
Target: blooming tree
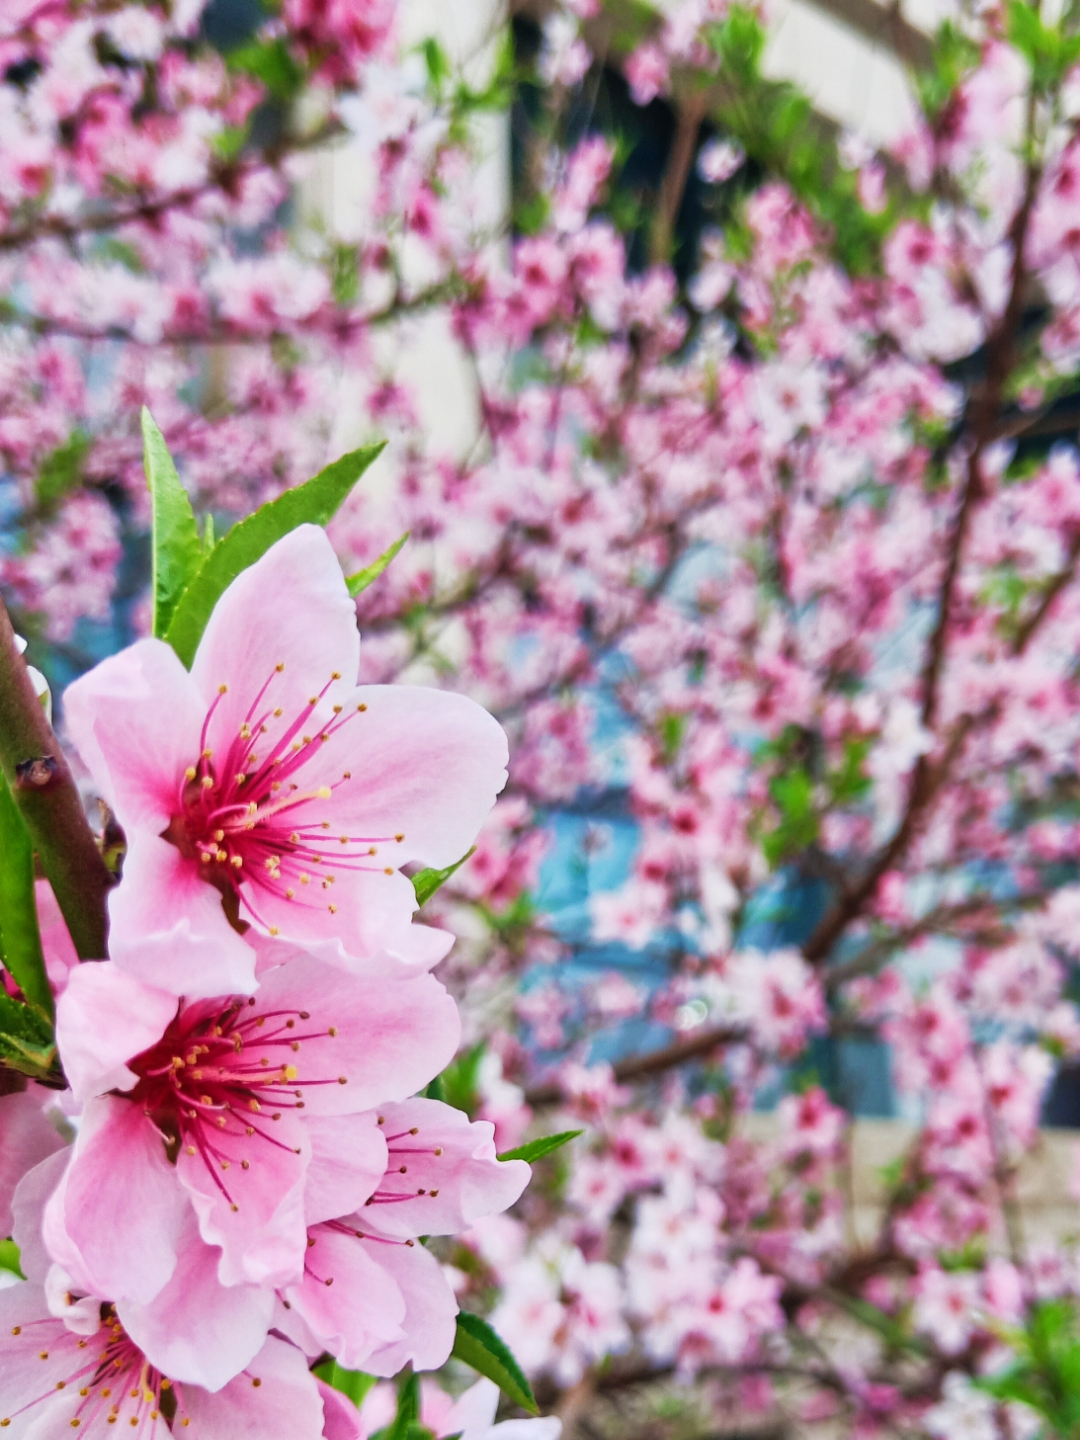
765,558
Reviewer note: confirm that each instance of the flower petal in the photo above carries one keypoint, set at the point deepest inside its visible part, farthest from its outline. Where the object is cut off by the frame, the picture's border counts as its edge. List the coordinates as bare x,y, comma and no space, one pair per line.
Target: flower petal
103,1019
425,764
290,608
115,1218
168,929
341,1418
28,1210
256,1214
429,1315
136,719
196,1329
348,1299
27,1138
365,1041
446,1164
348,1158
369,931
274,1398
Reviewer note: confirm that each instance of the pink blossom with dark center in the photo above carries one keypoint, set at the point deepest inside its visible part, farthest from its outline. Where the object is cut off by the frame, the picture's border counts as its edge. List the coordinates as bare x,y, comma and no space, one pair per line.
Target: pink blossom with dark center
268,802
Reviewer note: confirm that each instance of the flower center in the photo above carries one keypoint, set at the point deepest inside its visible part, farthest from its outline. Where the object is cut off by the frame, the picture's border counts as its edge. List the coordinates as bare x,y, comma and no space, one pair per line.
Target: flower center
248,817
219,1078
113,1378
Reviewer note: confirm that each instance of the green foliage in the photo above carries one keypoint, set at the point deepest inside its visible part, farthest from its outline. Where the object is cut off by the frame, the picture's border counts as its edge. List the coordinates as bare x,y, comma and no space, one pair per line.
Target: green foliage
406,1423
1048,49
270,62
345,274
315,503
9,1258
357,584
850,782
175,550
793,795
477,1344
1046,1372
62,471
955,54
458,1085
425,882
20,941
535,1149
739,40
353,1383
26,1040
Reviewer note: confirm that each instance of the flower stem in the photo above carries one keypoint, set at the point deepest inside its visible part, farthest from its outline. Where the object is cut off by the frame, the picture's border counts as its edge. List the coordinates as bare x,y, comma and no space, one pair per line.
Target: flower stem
48,799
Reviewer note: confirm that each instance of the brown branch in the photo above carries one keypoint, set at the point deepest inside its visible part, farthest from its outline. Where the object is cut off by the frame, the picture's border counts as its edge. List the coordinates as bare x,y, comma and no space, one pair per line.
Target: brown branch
653,1062
691,113
52,810
930,776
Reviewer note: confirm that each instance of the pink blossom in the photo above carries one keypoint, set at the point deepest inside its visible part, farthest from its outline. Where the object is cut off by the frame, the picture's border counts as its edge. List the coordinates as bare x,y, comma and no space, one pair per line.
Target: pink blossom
244,1110
264,779
54,1379
27,1137
646,71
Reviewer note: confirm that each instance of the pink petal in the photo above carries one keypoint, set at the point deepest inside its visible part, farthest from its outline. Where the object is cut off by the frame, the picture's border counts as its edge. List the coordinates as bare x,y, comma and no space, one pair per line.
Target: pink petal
390,1039
115,1219
348,1158
103,1019
168,929
341,1418
26,1329
426,764
284,1405
475,1409
450,1171
28,1209
291,608
369,931
61,956
256,1215
347,1297
26,1138
430,1312
195,1328
136,720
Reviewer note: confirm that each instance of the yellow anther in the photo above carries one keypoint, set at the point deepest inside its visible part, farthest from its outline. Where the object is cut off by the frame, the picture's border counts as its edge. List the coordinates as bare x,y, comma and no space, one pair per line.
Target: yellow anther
324,792
236,861
207,782
189,773
361,708
223,689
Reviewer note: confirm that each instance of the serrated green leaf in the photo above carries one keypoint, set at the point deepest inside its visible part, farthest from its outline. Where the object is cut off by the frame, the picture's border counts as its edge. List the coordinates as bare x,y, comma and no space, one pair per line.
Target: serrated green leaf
477,1345
175,549
544,1146
426,882
20,939
9,1258
353,1383
315,503
26,1039
359,582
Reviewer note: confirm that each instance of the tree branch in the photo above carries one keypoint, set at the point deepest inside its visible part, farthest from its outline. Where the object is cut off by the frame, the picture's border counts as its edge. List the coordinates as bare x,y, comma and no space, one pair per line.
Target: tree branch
49,803
653,1062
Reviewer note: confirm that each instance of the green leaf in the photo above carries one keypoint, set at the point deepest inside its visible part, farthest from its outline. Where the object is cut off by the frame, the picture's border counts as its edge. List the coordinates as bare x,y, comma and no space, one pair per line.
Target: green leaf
9,1258
61,471
426,882
353,1383
176,551
270,62
20,940
477,1345
544,1146
459,1083
314,503
26,1040
362,579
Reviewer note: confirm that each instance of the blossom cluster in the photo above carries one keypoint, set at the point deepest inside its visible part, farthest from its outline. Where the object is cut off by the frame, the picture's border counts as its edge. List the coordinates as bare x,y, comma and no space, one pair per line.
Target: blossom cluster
252,1172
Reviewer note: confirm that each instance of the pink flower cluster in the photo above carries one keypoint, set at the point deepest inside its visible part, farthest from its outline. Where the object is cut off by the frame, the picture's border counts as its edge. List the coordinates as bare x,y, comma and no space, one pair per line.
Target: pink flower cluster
252,1169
